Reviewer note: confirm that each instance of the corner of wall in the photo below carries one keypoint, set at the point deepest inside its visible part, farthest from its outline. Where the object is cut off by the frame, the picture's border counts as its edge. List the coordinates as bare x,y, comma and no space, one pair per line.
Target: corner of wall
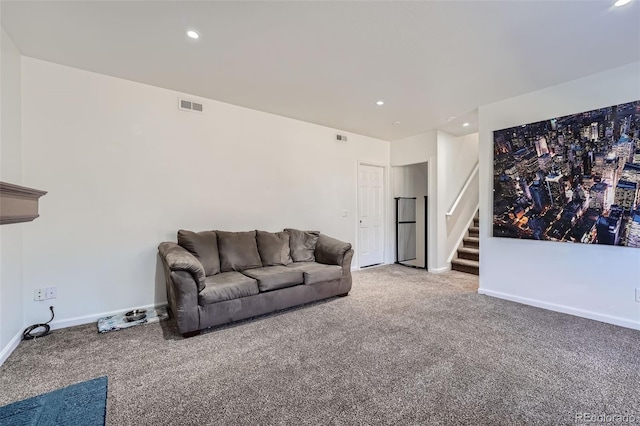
456,159
589,281
11,236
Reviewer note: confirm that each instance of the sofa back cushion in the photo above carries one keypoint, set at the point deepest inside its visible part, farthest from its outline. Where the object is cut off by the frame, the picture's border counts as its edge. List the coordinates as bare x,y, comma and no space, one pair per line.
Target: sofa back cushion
238,251
204,246
273,248
302,244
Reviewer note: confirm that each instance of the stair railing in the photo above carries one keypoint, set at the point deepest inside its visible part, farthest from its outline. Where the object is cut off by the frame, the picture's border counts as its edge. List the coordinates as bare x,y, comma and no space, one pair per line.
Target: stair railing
463,190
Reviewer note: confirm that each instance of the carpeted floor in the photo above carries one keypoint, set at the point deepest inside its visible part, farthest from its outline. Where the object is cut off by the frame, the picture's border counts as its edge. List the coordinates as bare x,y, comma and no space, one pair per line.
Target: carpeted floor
405,347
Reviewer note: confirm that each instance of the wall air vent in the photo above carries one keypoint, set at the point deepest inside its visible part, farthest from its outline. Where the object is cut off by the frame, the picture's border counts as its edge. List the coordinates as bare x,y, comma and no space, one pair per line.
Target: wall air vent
341,138
186,105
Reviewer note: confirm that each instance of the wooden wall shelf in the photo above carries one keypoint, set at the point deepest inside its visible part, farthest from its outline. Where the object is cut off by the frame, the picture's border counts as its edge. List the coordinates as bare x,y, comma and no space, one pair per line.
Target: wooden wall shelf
18,203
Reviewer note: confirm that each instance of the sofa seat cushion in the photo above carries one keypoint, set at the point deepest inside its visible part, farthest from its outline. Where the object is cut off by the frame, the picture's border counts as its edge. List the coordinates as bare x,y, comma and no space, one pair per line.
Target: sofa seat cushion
275,277
317,272
227,286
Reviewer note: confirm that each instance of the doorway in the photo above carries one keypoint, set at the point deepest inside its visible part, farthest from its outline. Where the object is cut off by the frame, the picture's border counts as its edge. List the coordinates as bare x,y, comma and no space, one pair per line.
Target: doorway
410,186
371,226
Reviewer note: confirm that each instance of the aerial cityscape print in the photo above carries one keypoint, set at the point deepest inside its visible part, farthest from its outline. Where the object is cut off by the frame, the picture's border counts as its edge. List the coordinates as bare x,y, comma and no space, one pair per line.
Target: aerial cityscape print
572,179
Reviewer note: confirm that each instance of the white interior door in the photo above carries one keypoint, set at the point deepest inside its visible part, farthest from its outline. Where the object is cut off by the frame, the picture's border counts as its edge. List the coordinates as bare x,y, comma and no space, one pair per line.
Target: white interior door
370,215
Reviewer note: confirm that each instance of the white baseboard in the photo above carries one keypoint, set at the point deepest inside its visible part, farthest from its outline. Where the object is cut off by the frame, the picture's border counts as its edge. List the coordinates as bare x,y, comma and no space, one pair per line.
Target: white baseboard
86,319
443,269
622,322
357,268
11,346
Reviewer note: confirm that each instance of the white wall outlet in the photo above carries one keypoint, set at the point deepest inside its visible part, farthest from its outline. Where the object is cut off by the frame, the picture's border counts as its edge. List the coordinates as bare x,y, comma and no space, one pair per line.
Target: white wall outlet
638,295
39,294
52,292
345,213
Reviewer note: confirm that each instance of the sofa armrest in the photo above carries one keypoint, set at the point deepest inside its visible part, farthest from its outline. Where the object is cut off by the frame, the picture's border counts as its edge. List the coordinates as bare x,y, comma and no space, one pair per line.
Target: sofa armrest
182,295
177,258
331,251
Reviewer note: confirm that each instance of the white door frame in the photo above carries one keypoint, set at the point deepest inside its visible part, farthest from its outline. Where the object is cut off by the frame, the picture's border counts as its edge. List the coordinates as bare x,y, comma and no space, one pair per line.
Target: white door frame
385,206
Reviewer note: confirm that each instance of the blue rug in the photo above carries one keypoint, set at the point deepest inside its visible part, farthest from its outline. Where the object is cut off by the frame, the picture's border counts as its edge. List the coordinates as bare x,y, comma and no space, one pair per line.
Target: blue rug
82,404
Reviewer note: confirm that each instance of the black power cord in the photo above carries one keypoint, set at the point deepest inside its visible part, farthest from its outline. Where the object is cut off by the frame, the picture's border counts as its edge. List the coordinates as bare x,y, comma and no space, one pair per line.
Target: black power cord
29,333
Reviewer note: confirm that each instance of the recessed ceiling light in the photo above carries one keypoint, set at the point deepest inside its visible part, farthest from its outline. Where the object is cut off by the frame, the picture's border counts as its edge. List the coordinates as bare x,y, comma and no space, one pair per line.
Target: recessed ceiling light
621,2
395,123
465,124
380,103
193,34
451,118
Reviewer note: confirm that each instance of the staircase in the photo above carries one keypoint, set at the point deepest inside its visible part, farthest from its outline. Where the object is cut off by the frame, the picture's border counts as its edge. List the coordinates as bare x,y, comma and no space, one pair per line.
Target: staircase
468,258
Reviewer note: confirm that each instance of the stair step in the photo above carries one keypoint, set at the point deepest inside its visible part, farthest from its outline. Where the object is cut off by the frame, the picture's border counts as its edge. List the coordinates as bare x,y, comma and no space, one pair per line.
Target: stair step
473,242
469,253
474,231
464,265
466,262
476,221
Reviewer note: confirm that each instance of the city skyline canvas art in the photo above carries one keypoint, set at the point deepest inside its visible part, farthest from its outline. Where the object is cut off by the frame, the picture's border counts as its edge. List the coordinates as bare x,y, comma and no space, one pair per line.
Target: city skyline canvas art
571,179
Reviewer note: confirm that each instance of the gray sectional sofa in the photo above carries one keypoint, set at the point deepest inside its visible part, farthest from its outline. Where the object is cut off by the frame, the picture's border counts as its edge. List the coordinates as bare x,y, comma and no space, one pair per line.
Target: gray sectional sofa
217,277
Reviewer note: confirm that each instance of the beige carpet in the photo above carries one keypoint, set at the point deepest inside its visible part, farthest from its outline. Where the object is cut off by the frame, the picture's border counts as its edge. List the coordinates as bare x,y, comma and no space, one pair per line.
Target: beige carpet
405,347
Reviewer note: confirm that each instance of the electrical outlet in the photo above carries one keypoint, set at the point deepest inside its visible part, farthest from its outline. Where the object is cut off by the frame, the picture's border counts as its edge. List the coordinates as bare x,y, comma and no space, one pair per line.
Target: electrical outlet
39,294
345,213
52,292
638,295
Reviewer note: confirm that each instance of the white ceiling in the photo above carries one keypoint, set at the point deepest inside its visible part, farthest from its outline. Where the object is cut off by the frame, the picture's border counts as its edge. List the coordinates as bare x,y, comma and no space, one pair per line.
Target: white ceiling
328,62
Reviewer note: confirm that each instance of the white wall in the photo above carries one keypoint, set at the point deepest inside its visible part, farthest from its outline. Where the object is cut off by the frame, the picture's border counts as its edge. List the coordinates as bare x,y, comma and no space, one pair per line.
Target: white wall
415,150
457,158
411,181
11,315
586,280
125,169
450,162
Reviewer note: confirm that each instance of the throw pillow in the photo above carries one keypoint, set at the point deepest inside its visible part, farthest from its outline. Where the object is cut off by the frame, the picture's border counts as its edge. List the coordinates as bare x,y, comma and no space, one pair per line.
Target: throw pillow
302,244
204,246
273,248
238,251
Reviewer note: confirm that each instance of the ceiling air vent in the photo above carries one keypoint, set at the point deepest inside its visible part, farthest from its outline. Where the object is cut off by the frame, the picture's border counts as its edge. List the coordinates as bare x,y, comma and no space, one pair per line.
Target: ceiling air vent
341,138
186,105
